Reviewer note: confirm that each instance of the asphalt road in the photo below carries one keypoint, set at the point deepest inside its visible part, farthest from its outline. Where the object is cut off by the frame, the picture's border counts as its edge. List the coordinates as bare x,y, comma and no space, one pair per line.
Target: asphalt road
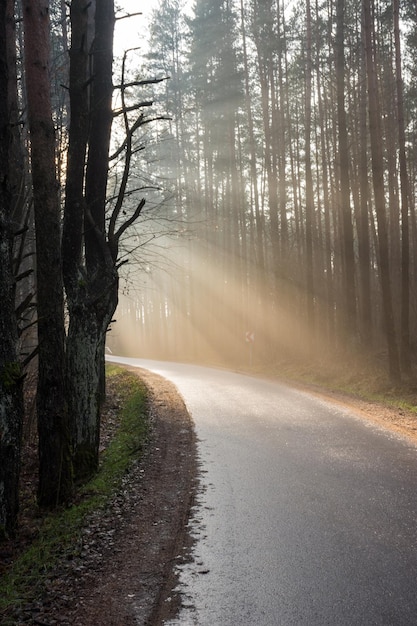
307,515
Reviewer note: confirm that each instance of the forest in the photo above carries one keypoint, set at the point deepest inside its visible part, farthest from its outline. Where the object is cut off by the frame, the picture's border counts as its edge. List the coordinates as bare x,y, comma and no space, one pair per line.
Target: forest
289,172
240,191
59,238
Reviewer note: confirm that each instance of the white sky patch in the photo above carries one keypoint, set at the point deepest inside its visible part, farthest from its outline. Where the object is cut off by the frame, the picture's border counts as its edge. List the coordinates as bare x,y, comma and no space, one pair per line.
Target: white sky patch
132,32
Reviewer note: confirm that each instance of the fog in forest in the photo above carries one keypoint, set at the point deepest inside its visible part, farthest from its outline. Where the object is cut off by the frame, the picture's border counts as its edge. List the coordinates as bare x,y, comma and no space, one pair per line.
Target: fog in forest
281,226
189,311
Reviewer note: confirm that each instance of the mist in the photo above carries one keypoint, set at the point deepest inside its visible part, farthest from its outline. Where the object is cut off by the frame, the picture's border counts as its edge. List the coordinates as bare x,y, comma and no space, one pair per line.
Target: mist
277,245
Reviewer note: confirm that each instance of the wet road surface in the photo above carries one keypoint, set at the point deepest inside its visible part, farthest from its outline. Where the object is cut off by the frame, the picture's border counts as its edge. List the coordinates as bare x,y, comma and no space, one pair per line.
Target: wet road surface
307,515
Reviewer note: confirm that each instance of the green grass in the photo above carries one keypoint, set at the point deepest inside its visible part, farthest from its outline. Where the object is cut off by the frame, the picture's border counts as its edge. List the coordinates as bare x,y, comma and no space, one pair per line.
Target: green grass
362,380
59,535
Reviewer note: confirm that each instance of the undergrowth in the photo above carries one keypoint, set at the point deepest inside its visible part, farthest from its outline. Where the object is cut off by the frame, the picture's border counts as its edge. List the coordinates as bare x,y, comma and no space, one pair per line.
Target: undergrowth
59,533
362,380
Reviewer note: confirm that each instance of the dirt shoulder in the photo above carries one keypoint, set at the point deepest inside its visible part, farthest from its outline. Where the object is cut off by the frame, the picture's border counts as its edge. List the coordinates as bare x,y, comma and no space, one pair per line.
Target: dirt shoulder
136,573
397,419
125,570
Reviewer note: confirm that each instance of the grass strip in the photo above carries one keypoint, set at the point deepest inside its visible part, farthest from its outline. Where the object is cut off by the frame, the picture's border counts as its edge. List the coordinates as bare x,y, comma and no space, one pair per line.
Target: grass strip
362,383
59,535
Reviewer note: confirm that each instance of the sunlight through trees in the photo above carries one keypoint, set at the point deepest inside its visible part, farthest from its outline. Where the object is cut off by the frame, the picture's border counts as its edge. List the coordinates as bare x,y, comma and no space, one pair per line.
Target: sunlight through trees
247,168
290,159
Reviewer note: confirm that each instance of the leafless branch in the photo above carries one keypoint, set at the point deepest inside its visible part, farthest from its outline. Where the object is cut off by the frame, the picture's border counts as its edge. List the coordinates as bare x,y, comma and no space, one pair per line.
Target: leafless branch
131,220
134,107
124,17
128,138
23,275
100,237
24,305
142,83
30,356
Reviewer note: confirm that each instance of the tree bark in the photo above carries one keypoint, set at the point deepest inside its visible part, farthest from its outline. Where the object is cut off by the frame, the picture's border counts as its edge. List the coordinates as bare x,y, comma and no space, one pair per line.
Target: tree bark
55,472
405,234
363,230
90,271
349,309
378,184
85,362
11,395
259,227
309,197
101,117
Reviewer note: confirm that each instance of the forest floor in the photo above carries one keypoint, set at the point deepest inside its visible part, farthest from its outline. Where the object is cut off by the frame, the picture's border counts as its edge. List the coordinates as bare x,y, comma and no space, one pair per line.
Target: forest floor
125,573
392,412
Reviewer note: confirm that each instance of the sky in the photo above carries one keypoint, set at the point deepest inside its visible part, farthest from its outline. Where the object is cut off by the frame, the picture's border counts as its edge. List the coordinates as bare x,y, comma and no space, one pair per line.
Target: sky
131,31
136,6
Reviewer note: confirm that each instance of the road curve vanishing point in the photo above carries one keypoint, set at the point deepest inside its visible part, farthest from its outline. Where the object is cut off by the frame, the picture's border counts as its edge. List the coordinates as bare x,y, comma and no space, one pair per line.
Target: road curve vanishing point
306,515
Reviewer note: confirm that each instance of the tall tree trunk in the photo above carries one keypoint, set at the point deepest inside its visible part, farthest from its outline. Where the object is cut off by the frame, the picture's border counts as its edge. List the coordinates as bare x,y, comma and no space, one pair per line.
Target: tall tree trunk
55,473
92,289
17,173
405,236
281,147
11,395
101,117
21,205
269,166
349,312
72,237
364,250
328,250
309,197
378,184
259,229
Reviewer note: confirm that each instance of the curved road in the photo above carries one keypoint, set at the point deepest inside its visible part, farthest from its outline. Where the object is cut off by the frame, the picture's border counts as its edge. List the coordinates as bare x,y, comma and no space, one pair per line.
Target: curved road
307,515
